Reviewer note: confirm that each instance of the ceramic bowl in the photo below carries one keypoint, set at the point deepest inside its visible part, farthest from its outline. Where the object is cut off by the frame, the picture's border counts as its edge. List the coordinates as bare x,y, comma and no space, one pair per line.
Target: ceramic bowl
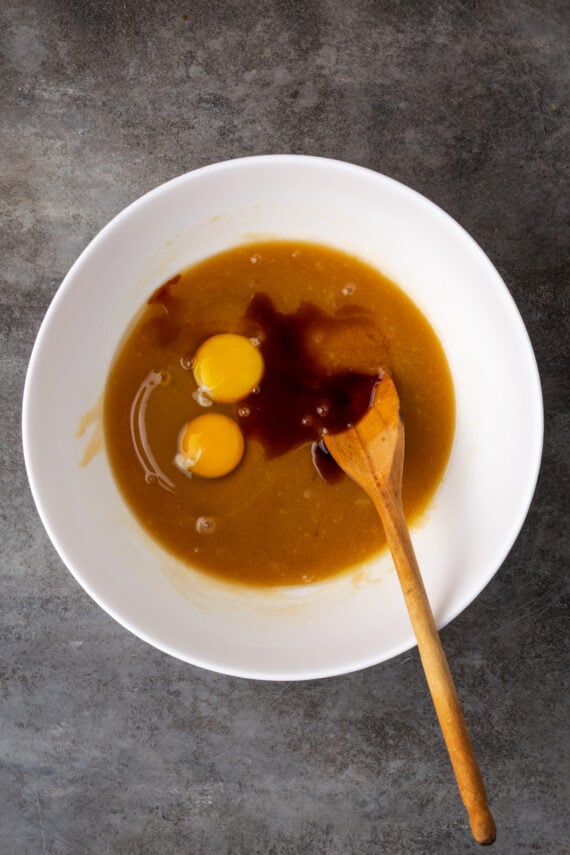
351,621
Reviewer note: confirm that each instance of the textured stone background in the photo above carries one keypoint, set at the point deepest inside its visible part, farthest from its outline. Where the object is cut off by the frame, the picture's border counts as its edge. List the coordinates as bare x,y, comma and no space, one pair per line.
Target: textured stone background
107,746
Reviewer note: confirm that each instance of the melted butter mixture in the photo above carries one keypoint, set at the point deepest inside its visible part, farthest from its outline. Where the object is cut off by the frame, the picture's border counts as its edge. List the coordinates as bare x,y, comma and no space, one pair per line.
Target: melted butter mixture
324,324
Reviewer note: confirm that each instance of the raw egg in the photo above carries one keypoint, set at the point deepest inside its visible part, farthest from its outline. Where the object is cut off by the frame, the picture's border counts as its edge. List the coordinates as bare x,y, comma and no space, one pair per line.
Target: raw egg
227,367
210,445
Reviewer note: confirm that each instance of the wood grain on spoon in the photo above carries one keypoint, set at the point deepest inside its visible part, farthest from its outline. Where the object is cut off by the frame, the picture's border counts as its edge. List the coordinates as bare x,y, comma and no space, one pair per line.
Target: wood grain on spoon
372,454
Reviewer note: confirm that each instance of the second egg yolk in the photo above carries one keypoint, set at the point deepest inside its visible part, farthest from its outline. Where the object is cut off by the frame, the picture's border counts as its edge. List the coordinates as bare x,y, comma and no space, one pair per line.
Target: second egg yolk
210,445
227,367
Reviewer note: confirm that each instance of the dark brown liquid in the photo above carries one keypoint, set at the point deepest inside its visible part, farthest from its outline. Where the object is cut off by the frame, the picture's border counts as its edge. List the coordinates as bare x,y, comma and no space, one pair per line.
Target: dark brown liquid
298,400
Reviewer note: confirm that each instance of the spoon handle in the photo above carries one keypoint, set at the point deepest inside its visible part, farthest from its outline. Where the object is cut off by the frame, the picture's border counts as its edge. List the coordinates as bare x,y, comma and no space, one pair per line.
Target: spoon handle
436,668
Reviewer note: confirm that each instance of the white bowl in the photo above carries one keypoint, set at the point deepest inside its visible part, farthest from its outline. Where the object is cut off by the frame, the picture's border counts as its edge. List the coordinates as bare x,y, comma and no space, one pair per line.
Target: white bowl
354,620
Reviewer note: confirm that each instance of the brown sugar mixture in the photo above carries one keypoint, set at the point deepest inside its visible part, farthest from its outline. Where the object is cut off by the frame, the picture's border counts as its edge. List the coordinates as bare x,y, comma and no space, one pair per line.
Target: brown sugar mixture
325,324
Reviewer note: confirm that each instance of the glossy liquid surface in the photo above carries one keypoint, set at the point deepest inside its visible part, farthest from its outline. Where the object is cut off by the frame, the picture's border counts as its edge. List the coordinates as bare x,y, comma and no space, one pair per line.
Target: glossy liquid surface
326,323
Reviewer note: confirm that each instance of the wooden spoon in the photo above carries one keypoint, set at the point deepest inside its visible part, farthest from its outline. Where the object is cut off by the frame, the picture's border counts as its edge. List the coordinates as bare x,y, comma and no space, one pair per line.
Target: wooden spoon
372,454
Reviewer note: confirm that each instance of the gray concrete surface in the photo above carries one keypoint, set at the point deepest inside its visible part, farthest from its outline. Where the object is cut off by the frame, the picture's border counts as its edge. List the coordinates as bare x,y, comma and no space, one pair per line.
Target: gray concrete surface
107,746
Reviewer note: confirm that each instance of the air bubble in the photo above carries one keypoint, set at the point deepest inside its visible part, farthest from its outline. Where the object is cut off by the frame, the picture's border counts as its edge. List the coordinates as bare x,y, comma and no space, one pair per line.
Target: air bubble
150,478
256,390
307,421
244,412
205,525
255,258
349,288
187,363
256,342
322,410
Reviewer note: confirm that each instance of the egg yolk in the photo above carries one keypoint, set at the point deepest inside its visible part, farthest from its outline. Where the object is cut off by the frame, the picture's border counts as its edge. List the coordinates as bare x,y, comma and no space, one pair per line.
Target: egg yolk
210,445
227,367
